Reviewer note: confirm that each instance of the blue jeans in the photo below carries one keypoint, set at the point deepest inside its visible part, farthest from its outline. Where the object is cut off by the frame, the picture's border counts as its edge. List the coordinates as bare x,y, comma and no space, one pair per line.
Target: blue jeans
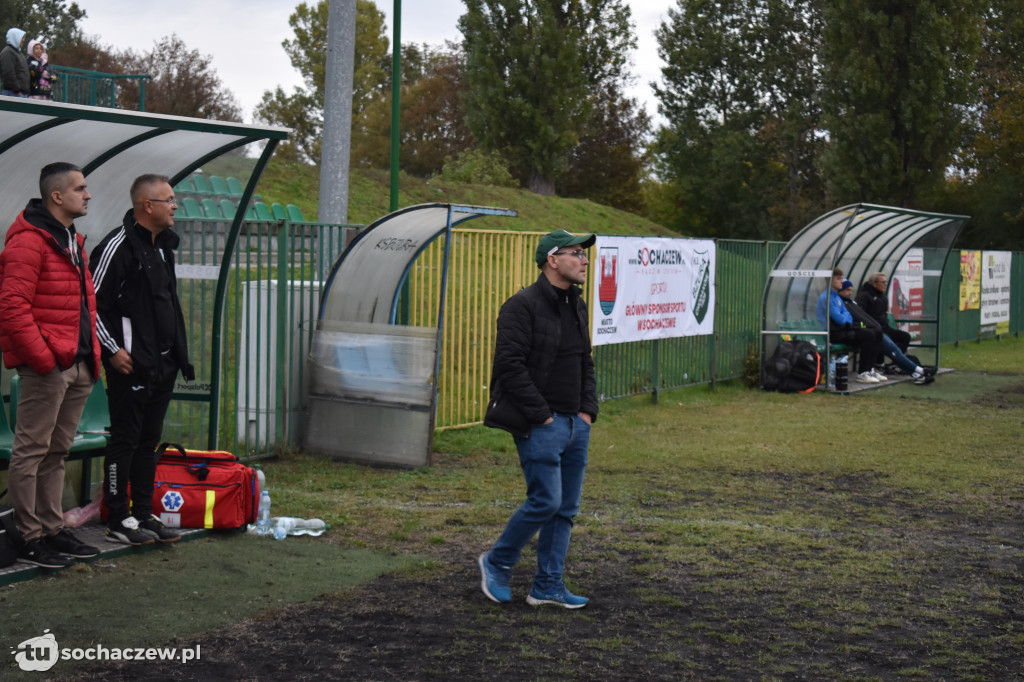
892,350
553,460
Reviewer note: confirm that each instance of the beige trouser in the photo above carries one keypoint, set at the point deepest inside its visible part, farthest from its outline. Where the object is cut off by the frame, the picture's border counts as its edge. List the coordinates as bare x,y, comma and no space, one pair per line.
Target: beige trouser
49,409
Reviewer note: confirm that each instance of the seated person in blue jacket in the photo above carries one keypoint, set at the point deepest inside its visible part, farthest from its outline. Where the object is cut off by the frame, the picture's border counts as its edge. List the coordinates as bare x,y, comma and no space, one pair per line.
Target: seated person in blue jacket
919,374
842,329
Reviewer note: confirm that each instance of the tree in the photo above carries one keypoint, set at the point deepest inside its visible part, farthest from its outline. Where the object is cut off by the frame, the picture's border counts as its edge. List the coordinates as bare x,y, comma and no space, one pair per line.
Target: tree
607,165
302,110
739,152
432,120
894,112
989,185
184,82
531,66
55,21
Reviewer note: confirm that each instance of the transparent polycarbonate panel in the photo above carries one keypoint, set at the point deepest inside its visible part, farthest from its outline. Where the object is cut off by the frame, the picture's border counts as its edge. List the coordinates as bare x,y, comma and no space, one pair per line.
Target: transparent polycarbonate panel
374,362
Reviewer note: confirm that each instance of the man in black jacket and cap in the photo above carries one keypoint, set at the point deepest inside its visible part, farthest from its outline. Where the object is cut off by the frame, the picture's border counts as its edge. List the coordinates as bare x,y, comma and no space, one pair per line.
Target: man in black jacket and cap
544,393
141,329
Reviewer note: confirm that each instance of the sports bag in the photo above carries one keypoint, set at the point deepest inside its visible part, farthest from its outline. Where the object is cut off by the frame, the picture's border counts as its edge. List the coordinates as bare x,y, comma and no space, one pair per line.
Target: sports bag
11,539
794,367
203,489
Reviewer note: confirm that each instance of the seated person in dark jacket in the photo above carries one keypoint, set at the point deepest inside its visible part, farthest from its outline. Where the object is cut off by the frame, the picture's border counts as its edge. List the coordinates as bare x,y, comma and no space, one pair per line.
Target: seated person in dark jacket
834,316
874,301
889,348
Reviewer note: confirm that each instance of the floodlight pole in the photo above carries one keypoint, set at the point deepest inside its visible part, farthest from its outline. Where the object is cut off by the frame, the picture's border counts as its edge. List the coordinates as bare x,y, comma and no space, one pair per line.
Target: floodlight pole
336,146
396,99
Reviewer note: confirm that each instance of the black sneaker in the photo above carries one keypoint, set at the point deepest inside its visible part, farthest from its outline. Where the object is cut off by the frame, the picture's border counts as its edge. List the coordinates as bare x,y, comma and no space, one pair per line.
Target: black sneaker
39,553
66,543
922,378
156,527
127,532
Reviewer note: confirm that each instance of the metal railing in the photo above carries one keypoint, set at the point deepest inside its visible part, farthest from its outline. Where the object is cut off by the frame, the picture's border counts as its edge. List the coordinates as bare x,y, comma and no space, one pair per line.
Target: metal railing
94,88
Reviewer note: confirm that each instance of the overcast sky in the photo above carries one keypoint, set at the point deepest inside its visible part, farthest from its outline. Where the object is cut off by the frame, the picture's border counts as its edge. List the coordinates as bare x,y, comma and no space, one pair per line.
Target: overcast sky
244,36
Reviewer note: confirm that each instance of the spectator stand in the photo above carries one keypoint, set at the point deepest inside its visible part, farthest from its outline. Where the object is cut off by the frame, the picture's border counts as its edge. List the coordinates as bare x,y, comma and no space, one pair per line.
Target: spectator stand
860,239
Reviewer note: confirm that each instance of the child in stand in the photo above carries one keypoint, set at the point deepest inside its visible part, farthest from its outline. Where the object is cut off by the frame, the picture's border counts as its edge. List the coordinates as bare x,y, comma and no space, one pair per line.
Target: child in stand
41,75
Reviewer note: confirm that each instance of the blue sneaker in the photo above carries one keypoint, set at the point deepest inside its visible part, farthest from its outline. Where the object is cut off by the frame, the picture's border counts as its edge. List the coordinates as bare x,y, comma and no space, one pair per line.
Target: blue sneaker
493,582
561,597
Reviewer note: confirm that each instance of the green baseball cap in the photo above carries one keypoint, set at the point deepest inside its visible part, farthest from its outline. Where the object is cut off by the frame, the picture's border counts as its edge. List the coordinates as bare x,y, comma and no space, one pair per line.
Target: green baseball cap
553,241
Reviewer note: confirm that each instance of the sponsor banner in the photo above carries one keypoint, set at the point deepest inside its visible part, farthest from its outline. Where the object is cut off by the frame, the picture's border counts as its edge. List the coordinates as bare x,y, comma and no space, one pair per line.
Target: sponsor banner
970,280
995,291
906,291
648,288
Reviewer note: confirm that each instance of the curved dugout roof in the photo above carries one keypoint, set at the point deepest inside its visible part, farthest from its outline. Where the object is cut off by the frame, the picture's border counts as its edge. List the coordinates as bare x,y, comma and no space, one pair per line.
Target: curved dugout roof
365,283
113,147
861,239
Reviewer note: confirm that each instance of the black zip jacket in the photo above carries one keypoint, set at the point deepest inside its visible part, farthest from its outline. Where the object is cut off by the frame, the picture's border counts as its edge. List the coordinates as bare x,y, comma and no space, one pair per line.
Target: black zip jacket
137,300
529,332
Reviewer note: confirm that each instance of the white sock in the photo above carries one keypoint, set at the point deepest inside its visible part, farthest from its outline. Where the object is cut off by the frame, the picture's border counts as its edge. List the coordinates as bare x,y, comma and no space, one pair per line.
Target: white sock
919,370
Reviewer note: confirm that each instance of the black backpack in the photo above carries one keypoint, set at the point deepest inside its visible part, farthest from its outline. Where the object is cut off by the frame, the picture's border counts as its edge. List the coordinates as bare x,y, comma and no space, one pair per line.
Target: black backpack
794,367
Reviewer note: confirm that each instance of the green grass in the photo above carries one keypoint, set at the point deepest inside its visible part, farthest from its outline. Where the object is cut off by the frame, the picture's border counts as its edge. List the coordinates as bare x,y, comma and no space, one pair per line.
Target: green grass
747,535
369,196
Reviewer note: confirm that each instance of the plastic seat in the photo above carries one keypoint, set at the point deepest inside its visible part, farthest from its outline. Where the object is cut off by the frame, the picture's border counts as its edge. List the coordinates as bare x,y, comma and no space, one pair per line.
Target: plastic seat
234,187
218,186
262,211
96,416
250,214
202,184
294,213
6,434
228,208
278,211
211,208
185,187
85,440
192,208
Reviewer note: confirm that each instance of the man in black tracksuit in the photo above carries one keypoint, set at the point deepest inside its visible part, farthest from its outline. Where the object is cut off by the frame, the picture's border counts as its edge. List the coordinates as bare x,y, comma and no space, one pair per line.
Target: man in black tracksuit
141,329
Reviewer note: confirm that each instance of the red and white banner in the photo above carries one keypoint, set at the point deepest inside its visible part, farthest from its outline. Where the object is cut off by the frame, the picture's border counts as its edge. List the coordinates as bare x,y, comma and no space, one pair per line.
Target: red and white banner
651,288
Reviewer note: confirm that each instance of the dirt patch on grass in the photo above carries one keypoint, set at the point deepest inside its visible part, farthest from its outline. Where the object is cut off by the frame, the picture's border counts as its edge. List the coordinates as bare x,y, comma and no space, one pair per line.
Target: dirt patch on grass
902,590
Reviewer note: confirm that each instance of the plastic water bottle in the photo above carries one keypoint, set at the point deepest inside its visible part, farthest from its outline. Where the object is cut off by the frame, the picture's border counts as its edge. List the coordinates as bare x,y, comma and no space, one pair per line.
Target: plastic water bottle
288,525
831,371
263,518
261,477
842,370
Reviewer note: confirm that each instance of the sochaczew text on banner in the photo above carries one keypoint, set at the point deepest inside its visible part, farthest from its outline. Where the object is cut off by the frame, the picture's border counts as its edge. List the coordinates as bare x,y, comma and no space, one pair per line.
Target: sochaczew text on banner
651,288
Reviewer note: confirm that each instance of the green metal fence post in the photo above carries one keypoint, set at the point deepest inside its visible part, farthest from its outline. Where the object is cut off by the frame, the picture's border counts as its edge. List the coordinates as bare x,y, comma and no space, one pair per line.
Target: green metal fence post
281,323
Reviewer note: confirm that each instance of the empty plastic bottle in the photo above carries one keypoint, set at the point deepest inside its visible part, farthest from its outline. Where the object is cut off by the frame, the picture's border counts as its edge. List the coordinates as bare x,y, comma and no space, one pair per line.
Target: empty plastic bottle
288,525
263,518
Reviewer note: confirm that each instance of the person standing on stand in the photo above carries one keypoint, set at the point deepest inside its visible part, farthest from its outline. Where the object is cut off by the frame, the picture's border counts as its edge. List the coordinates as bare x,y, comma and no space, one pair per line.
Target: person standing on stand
544,393
48,333
14,78
142,331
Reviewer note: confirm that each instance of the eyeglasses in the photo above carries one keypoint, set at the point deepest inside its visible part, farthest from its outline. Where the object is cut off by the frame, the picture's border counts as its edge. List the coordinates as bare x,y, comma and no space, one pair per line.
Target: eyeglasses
579,253
164,201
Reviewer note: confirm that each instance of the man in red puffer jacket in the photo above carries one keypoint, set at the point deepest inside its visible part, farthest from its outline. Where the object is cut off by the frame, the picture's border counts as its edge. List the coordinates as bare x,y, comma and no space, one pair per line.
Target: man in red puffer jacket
48,333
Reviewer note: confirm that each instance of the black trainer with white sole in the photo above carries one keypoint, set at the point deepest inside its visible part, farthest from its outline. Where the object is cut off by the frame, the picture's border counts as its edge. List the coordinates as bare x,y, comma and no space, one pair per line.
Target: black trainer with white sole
128,532
38,552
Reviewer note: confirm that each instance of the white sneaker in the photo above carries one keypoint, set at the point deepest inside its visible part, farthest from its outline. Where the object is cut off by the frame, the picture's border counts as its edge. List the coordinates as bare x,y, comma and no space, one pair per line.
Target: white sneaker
878,375
866,378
